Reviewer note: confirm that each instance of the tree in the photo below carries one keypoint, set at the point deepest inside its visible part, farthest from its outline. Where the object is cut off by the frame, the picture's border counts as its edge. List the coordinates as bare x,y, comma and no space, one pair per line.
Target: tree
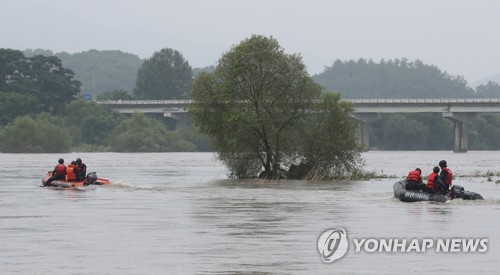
399,78
254,107
105,71
92,122
142,134
491,89
166,75
115,95
39,76
34,135
13,105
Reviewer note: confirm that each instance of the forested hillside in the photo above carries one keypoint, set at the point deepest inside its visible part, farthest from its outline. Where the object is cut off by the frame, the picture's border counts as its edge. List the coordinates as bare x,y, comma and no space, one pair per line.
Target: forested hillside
107,70
399,78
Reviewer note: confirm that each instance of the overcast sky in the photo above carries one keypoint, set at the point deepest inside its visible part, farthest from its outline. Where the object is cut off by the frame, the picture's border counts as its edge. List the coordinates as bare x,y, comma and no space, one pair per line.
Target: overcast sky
460,37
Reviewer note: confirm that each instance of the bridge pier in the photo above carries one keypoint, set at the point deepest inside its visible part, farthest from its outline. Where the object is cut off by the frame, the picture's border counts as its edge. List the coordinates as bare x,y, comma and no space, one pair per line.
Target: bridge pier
363,131
461,137
181,119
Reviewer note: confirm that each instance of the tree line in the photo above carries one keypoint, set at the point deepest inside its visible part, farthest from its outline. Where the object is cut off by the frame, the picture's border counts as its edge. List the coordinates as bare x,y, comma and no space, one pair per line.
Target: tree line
37,82
402,78
42,110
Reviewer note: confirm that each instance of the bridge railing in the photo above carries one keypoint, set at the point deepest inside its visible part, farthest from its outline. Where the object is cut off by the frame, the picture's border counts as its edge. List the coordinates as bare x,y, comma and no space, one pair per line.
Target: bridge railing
426,100
355,101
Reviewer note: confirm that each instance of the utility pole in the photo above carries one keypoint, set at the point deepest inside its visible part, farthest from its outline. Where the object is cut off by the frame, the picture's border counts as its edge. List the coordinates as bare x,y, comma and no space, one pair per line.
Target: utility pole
93,83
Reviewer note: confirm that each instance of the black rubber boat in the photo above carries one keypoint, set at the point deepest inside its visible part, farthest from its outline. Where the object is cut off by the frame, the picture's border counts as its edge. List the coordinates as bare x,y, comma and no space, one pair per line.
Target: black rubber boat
456,192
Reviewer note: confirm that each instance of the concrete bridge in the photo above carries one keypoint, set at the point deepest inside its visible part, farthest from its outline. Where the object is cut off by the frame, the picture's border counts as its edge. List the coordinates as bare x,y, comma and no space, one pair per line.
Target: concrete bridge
458,110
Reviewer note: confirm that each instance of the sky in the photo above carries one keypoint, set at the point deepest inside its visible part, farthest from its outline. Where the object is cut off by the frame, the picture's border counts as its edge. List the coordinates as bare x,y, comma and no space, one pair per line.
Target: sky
461,37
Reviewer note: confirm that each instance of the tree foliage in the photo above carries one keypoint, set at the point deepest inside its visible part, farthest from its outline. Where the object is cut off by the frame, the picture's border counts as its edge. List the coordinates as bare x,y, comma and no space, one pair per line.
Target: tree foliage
41,77
34,135
91,123
141,134
411,132
256,105
490,90
115,95
399,78
166,75
105,70
13,105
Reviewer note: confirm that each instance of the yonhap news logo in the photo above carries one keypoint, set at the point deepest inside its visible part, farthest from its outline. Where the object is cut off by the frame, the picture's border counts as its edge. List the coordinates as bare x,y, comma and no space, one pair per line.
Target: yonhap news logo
333,244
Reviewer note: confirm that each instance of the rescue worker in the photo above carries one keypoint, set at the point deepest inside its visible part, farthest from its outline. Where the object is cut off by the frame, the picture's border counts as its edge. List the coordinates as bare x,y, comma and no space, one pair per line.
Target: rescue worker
446,174
70,171
80,170
59,172
414,180
434,182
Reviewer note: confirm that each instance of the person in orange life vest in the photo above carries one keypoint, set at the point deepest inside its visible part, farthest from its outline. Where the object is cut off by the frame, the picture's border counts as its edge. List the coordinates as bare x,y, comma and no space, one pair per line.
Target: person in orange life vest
434,182
446,174
59,172
81,169
70,171
414,180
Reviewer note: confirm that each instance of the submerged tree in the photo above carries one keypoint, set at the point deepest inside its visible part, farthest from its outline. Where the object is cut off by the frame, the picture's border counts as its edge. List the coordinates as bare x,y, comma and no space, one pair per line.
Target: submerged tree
258,106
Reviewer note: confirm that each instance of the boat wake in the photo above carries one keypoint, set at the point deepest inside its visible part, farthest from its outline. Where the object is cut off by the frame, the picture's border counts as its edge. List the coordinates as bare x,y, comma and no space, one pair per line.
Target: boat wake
130,186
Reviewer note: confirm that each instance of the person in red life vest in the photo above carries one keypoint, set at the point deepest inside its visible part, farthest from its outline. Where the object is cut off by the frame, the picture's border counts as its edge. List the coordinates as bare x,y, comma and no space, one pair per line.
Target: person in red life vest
80,169
434,182
59,172
414,180
446,174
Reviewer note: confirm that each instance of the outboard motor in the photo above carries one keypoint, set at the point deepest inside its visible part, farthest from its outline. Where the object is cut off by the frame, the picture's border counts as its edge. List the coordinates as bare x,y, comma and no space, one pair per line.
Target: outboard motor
91,178
457,191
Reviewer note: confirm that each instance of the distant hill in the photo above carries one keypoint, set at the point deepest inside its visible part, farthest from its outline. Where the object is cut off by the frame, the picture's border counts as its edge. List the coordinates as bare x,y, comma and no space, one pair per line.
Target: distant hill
484,81
398,78
108,70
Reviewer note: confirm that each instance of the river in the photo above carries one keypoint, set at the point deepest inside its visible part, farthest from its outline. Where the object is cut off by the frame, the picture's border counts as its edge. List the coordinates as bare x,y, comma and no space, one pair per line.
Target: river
177,213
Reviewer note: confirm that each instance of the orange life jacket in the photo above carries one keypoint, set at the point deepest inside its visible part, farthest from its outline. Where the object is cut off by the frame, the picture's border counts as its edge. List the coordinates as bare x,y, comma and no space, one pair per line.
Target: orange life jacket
413,176
70,172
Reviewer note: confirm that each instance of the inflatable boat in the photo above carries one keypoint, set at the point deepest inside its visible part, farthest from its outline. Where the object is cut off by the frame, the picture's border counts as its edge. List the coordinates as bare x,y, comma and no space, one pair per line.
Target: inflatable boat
456,192
90,179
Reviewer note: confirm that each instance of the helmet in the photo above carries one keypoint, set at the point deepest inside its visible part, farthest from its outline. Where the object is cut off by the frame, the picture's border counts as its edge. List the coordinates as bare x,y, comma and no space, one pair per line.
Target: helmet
442,163
436,169
61,161
418,169
78,160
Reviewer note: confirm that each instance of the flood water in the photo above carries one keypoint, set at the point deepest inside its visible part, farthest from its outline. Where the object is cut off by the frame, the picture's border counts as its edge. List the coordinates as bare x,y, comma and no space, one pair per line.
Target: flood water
177,213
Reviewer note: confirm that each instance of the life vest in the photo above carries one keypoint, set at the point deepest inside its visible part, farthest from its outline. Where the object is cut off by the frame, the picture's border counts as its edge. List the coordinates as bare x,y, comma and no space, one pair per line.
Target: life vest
449,175
81,169
431,180
413,176
70,172
60,169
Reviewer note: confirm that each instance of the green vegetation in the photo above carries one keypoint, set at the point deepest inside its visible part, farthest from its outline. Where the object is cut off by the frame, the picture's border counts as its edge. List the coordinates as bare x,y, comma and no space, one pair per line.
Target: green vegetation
412,79
34,135
259,108
399,78
40,81
140,134
166,75
106,71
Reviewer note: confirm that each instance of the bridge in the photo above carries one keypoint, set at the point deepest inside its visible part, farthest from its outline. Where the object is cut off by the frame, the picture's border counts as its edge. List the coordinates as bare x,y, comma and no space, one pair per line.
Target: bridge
459,110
